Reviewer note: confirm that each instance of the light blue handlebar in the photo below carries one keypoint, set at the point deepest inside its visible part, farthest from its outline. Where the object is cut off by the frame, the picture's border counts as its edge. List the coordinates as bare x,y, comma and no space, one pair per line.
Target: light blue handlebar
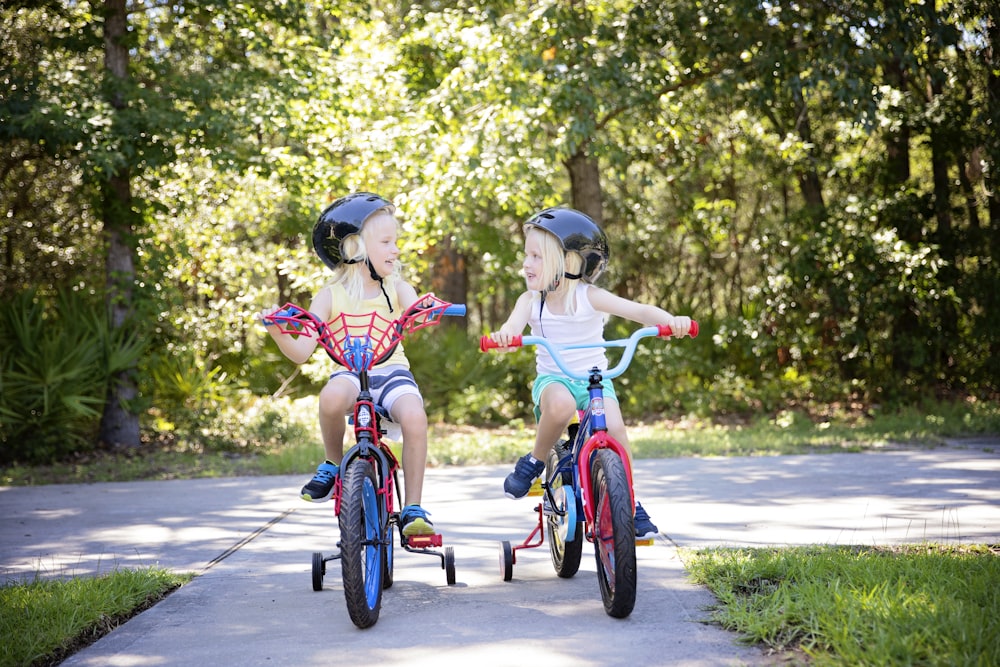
629,344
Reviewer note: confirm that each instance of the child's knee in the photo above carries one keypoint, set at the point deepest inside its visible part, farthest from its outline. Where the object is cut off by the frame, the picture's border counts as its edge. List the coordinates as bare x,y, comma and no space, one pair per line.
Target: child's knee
409,409
334,399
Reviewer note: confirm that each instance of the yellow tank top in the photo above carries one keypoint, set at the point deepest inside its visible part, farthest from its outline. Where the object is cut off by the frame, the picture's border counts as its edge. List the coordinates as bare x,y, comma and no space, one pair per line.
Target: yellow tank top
341,303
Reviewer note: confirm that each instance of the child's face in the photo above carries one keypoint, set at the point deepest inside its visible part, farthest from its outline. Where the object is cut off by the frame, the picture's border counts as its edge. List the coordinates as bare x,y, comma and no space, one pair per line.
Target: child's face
533,264
380,242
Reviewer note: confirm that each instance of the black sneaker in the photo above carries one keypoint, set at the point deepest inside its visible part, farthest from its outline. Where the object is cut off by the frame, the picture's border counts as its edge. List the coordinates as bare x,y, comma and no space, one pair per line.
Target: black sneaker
644,526
519,482
320,487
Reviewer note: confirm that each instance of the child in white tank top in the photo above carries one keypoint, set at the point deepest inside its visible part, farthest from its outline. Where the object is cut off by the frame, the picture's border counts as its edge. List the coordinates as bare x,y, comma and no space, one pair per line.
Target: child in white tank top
565,253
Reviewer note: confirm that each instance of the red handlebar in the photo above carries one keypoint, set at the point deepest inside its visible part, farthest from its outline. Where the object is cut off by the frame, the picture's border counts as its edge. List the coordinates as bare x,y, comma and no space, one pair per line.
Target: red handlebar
666,331
487,343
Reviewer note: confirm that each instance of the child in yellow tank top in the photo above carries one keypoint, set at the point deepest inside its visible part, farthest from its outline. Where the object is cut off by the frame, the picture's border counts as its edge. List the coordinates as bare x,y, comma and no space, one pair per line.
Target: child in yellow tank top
356,236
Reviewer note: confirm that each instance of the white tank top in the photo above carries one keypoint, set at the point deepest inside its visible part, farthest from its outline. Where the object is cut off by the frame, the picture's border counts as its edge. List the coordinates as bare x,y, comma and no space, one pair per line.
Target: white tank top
586,325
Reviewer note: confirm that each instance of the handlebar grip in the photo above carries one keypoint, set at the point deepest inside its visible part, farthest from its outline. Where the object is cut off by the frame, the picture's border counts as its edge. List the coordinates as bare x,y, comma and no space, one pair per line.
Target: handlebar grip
289,311
666,331
486,343
456,309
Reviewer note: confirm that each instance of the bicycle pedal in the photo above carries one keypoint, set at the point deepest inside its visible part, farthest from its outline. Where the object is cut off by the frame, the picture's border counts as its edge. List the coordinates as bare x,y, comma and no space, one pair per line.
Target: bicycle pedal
645,541
536,488
424,541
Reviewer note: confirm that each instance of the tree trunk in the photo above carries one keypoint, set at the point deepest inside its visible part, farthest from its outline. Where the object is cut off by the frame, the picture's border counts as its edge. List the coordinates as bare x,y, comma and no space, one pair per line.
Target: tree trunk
992,187
450,280
902,345
993,111
941,158
897,143
809,180
585,185
119,423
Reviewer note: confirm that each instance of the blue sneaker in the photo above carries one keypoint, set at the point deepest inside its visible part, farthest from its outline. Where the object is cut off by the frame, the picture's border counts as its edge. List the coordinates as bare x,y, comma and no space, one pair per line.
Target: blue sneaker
519,482
644,526
414,520
320,487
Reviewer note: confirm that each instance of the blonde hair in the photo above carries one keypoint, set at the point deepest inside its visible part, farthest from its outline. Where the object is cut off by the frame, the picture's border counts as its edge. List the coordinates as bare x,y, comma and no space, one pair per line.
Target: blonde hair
556,263
353,271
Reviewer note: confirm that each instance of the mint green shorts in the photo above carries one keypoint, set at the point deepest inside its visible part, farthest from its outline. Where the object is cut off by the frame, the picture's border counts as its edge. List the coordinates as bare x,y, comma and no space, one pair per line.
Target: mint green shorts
577,389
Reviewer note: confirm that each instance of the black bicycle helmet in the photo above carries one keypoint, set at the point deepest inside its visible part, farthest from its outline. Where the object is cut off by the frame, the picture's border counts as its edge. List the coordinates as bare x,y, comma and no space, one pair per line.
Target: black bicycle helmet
341,219
577,232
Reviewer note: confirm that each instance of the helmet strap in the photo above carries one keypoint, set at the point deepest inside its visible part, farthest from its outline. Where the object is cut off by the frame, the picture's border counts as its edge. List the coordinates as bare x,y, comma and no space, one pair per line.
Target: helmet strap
541,307
377,278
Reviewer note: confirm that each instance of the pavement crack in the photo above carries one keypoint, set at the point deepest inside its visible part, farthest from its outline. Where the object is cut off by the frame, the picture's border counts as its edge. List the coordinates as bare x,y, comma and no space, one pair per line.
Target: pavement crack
246,540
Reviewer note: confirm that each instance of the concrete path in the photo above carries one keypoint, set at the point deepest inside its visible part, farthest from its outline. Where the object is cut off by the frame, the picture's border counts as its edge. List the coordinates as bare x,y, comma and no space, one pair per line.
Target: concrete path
250,540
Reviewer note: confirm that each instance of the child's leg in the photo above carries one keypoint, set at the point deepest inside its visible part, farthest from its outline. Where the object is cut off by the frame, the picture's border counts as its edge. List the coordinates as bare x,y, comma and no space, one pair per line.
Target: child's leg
408,412
557,407
335,400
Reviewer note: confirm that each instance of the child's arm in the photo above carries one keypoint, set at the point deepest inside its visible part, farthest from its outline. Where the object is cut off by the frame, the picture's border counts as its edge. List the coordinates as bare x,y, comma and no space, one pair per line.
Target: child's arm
299,348
516,322
406,294
642,313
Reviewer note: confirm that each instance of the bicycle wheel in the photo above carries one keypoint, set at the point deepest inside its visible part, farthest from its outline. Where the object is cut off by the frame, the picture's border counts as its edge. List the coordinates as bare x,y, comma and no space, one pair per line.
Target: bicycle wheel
361,549
449,565
562,525
318,571
614,534
506,560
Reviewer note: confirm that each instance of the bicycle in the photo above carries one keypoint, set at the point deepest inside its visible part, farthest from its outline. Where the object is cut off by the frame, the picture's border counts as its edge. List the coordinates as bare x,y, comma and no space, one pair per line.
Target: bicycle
367,489
587,485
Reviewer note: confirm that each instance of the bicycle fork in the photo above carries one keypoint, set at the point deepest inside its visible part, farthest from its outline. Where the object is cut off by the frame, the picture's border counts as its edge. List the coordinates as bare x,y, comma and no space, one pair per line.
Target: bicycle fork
599,439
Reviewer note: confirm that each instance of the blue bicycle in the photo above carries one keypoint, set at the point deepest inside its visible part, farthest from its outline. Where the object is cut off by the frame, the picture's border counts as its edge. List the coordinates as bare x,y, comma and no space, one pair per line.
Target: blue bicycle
367,490
587,485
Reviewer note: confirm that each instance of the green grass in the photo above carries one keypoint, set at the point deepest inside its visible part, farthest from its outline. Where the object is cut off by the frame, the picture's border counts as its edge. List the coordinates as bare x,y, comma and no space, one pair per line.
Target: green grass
44,621
801,432
909,605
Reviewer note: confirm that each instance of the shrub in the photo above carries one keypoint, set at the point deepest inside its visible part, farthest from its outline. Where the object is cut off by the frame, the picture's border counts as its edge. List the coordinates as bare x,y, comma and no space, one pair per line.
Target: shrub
56,357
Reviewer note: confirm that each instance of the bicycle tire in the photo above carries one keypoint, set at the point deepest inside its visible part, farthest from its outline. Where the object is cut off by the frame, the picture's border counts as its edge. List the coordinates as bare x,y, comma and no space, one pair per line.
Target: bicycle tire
506,560
361,547
318,571
566,553
614,534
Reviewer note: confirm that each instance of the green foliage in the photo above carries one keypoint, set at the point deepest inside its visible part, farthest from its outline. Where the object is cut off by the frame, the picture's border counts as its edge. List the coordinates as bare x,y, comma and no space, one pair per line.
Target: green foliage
838,304
58,354
747,161
462,385
918,604
198,408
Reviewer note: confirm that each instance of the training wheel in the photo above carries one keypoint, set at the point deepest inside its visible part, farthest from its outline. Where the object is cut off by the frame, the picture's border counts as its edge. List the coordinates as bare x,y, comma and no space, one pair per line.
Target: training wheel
319,569
506,561
449,565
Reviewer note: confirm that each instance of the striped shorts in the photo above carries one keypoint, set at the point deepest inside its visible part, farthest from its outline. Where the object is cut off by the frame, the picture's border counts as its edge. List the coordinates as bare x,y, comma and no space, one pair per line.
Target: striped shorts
387,384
